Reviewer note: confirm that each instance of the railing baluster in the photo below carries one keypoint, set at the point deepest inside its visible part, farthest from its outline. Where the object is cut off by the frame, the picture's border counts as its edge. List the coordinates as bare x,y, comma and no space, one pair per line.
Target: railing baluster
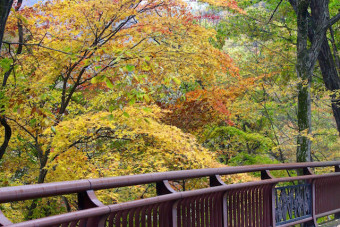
137,216
155,220
216,180
164,188
118,219
143,214
131,216
236,208
242,207
198,213
246,210
179,213
225,209
273,216
124,218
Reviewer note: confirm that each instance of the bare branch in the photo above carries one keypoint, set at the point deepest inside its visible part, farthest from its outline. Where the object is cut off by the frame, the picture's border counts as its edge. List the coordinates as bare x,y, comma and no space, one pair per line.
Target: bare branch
37,44
271,17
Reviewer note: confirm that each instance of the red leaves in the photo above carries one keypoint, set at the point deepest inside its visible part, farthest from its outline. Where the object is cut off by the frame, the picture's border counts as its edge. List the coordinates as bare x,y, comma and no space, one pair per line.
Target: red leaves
38,111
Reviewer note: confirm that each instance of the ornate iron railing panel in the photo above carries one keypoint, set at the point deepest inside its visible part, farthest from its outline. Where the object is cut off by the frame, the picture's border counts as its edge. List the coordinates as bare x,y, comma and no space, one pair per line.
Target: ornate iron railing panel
293,203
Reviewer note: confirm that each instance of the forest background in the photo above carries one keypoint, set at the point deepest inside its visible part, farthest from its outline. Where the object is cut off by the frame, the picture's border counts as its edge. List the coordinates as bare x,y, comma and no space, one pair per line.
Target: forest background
116,87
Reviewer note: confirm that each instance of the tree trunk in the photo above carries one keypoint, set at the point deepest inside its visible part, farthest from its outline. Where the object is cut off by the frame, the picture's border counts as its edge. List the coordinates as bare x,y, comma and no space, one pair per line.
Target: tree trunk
304,73
5,8
325,58
8,134
303,153
318,23
327,64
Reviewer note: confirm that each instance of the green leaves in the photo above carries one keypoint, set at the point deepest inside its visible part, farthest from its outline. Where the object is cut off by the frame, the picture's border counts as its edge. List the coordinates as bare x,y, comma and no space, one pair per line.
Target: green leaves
109,83
32,122
5,64
176,80
53,129
130,68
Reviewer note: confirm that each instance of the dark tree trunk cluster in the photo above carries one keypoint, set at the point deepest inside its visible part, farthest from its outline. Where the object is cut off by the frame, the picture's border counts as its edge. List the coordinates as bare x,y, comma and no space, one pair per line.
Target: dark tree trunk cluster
313,27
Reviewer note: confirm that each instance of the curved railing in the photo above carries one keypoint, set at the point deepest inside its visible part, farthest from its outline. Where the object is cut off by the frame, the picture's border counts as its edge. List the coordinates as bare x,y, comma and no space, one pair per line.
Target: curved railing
258,203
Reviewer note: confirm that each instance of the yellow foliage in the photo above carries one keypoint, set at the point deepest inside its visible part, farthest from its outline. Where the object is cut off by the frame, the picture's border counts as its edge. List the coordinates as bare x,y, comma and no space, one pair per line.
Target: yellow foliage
112,144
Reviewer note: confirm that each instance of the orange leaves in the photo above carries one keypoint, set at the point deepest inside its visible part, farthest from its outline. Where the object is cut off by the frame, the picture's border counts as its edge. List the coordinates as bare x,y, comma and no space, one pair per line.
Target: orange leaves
226,63
199,108
230,4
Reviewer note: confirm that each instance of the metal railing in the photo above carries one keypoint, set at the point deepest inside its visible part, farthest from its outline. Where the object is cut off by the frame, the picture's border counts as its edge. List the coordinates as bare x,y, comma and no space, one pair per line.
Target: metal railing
258,203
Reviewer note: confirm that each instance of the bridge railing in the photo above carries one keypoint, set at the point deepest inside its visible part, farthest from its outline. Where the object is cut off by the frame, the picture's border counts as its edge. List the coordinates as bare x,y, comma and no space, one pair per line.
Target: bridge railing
258,203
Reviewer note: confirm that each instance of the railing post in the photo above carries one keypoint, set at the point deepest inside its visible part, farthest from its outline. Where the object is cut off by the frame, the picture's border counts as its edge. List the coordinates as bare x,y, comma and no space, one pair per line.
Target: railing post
88,199
164,188
309,171
214,181
266,175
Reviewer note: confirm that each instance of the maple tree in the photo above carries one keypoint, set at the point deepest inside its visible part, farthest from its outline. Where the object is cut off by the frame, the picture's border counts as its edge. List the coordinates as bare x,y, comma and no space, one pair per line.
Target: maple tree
67,54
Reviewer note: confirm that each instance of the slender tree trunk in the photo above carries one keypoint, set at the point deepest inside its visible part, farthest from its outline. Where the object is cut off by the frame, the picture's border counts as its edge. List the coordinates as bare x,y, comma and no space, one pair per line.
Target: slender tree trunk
304,73
303,153
8,134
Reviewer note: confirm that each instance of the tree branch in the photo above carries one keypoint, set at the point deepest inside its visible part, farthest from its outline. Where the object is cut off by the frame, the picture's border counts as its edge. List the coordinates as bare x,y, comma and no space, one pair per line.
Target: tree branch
23,127
332,21
8,134
271,17
39,45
